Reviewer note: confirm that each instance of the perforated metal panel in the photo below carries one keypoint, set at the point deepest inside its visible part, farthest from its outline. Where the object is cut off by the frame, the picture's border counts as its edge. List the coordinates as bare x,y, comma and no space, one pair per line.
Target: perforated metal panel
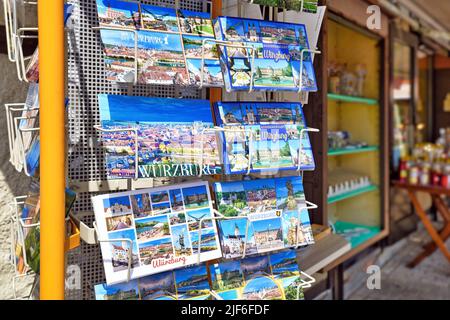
87,79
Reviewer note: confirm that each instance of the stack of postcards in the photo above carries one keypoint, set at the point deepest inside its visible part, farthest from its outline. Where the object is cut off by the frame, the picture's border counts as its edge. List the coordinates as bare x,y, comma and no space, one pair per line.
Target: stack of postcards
174,137
160,226
264,136
269,56
157,45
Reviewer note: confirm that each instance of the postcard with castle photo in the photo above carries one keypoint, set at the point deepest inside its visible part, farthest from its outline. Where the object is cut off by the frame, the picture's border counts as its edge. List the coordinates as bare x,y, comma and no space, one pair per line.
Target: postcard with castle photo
118,14
226,275
158,228
172,139
120,55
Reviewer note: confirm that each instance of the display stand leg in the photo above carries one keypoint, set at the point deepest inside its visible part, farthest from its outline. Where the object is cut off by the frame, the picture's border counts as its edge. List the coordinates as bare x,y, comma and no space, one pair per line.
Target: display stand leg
438,237
52,154
336,279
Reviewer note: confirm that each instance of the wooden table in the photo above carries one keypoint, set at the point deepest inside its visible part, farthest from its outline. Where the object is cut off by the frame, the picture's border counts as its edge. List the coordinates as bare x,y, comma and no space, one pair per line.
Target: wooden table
439,236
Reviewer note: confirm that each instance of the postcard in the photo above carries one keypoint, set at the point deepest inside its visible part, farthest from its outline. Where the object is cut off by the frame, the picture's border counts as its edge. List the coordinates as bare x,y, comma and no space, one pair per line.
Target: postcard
31,113
119,55
270,56
122,291
308,5
263,288
119,14
262,216
172,141
161,59
158,287
32,70
158,228
182,284
267,277
192,282
159,18
265,136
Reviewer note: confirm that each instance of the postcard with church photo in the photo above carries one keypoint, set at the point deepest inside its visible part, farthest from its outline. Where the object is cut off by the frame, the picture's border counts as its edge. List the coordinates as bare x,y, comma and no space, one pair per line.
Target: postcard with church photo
236,235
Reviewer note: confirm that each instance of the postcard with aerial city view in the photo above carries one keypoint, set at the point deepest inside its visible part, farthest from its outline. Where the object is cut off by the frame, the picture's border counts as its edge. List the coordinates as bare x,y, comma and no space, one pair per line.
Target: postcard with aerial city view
158,228
265,136
272,277
262,215
183,284
174,140
163,46
274,61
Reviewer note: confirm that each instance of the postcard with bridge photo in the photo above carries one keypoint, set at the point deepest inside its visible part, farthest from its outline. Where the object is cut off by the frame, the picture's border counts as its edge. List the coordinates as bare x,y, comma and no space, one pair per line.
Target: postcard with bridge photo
159,229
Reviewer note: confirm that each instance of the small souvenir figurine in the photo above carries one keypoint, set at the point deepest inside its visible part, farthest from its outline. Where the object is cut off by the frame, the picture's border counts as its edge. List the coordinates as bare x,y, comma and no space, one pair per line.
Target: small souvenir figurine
361,71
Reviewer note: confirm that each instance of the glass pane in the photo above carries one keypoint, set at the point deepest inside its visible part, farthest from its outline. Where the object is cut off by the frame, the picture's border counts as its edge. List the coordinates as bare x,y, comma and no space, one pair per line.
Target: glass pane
424,91
402,72
403,126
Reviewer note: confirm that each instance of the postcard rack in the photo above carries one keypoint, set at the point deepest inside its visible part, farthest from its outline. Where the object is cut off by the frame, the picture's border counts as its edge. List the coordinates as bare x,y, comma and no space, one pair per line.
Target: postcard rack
16,238
19,229
86,166
15,35
18,133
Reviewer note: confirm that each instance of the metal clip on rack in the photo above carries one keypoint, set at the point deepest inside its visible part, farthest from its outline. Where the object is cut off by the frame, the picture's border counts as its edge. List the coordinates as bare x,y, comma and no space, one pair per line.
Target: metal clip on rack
136,55
300,149
136,144
16,133
229,44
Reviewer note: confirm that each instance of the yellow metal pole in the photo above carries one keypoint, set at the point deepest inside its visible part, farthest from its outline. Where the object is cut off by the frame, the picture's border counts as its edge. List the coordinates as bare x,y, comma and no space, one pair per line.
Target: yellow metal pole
52,173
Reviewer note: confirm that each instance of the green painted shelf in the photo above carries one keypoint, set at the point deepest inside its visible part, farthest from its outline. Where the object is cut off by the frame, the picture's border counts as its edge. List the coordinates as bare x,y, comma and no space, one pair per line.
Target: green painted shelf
352,194
356,234
340,152
343,98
